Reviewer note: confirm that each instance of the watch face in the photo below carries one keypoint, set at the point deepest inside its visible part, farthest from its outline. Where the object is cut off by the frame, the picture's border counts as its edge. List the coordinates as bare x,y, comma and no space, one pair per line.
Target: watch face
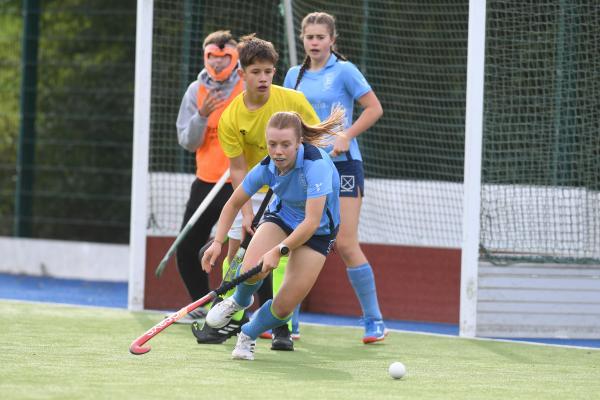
283,250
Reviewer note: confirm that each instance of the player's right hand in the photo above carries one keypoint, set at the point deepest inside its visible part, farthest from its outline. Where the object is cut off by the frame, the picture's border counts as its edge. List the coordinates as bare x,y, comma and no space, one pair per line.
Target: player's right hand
210,256
213,100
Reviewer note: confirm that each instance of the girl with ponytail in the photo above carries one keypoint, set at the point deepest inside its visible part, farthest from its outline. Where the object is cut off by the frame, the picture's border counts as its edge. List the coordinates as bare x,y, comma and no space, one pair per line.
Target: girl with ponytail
301,222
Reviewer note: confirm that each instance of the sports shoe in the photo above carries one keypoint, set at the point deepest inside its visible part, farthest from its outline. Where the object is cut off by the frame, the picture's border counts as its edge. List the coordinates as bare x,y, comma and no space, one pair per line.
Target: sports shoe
220,314
374,330
282,339
269,335
193,316
206,334
244,348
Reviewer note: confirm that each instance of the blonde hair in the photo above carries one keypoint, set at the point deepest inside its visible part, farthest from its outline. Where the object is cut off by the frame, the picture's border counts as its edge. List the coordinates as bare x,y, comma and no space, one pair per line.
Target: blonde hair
313,134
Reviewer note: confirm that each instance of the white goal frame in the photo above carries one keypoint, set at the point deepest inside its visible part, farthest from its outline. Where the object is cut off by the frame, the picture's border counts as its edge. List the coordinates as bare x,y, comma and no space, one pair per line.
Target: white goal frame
141,145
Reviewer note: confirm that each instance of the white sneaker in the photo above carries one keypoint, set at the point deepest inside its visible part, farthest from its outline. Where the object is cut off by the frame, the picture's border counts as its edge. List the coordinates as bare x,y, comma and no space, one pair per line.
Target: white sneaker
221,314
244,348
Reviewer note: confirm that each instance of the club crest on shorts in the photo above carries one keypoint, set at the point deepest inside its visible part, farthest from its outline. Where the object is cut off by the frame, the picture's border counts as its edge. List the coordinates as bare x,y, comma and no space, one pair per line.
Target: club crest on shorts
347,183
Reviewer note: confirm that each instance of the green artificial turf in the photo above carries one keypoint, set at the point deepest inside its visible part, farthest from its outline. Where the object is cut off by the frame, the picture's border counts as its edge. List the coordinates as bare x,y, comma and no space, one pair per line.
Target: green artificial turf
66,352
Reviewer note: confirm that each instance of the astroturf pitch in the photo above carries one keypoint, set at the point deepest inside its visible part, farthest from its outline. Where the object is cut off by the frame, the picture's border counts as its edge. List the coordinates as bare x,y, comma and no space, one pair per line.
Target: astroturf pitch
67,352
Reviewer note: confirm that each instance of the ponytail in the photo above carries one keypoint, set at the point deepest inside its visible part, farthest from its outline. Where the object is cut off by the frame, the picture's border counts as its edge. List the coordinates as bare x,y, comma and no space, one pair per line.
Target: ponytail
339,55
316,135
303,68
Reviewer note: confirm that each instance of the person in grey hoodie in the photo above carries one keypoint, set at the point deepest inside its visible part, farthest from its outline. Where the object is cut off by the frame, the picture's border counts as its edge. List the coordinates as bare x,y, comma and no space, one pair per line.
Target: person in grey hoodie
201,107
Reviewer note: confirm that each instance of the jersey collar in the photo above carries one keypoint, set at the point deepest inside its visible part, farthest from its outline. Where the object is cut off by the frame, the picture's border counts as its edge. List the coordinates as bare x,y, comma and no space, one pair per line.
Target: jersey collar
330,63
332,60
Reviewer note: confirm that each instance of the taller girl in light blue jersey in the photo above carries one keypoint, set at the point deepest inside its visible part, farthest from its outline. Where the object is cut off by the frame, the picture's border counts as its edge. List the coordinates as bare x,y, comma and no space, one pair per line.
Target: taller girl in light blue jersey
328,80
337,83
302,221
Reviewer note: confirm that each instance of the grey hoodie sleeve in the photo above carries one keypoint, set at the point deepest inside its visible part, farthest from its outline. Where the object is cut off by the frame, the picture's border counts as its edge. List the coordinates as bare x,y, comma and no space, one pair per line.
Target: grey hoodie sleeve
190,125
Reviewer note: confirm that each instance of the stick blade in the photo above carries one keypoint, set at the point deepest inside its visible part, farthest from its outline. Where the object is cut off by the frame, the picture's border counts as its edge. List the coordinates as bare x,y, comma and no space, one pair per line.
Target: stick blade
138,350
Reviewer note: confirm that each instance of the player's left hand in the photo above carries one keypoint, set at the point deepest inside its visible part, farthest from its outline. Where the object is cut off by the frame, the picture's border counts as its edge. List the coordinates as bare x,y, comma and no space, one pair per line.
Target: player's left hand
270,260
341,145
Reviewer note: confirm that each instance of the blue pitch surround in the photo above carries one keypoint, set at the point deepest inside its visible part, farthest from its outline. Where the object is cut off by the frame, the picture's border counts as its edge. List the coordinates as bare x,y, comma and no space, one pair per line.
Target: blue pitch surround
66,291
114,294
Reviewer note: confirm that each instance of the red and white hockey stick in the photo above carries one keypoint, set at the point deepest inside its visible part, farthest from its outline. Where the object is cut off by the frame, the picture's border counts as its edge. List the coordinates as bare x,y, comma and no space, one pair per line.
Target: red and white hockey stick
136,345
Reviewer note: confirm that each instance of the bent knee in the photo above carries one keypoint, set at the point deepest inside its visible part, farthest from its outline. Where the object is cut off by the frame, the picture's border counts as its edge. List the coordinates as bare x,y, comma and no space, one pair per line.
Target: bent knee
347,247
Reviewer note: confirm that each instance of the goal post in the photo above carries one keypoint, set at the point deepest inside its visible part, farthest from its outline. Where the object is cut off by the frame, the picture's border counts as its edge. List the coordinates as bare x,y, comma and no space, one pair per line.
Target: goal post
472,180
141,140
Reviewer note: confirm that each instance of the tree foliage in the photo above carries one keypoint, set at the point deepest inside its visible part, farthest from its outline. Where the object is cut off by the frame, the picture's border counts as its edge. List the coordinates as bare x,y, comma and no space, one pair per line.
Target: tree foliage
10,54
83,137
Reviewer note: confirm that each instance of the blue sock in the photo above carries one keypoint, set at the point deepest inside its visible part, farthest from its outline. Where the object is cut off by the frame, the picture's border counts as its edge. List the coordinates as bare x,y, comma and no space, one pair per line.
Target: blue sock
295,320
363,282
263,320
244,292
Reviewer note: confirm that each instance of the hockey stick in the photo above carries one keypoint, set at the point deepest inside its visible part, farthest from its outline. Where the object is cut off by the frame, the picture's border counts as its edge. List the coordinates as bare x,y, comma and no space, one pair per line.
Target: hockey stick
191,222
229,282
136,346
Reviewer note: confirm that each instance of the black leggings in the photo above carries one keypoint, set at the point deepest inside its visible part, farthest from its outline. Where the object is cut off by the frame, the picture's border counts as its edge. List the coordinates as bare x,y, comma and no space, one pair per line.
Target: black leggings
188,264
194,278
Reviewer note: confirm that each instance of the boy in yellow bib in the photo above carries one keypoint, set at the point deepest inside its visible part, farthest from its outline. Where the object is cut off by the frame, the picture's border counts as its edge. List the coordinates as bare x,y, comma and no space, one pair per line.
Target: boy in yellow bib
242,135
201,107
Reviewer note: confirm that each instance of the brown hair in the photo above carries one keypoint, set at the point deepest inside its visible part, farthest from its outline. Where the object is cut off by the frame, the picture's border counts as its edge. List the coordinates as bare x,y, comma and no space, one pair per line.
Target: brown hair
318,18
313,134
219,38
252,49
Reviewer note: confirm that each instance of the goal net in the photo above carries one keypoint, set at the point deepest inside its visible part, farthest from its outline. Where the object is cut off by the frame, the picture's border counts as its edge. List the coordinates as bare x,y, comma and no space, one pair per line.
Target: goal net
540,196
413,55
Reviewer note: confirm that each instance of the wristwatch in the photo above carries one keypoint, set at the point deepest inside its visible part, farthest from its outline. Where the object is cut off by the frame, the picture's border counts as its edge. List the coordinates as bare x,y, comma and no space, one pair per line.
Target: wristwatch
283,249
